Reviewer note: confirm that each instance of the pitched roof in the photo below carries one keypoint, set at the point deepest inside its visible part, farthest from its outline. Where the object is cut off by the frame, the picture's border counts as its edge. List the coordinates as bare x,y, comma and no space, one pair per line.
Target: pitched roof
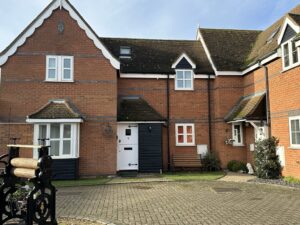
264,47
56,110
157,56
250,107
39,20
137,109
228,48
295,17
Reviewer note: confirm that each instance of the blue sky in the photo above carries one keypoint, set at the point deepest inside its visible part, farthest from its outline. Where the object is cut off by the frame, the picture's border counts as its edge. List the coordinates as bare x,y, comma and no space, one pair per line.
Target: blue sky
162,19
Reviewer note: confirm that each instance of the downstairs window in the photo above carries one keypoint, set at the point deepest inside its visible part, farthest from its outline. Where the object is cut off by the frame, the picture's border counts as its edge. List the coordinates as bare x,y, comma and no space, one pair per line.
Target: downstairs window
63,139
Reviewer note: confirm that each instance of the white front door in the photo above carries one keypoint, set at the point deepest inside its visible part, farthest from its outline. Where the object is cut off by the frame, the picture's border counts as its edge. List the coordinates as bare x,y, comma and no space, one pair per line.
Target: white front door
128,152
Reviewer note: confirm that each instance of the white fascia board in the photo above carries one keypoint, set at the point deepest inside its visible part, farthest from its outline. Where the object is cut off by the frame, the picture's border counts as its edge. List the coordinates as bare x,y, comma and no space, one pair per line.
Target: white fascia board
160,76
229,73
237,121
137,122
263,62
54,120
144,76
200,37
183,55
287,22
55,5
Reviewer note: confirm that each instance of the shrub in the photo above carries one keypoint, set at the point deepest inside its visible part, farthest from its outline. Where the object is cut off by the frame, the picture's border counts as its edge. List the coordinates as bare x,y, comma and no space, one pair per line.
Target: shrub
236,166
266,160
211,162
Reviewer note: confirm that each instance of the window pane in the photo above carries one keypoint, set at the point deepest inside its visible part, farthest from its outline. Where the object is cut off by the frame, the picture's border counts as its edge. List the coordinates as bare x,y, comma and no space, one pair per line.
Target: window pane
297,138
42,131
188,84
55,130
188,75
180,129
295,53
52,73
179,74
67,131
286,55
54,149
180,83
237,133
67,63
67,74
189,138
52,63
67,147
180,138
189,130
297,128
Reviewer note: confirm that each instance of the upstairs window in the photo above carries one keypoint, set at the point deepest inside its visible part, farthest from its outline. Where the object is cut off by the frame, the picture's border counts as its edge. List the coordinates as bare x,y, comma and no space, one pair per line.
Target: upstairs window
125,52
237,134
184,80
59,68
290,55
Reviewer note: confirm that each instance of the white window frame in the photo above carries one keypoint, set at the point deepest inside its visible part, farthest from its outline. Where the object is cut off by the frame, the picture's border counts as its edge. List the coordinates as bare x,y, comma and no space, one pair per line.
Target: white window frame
235,142
192,80
60,68
295,146
74,139
185,125
290,55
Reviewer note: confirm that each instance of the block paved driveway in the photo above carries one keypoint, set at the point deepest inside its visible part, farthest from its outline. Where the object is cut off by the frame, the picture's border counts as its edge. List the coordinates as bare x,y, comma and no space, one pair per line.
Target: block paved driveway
182,203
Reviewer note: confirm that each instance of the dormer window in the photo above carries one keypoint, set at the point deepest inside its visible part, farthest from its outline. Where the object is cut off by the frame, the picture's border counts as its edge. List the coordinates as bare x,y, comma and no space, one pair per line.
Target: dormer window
184,80
125,52
290,55
184,69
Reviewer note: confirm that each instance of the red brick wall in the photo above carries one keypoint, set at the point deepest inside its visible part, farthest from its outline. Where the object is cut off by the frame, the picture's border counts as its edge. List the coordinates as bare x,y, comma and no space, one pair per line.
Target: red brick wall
227,90
94,91
185,107
284,99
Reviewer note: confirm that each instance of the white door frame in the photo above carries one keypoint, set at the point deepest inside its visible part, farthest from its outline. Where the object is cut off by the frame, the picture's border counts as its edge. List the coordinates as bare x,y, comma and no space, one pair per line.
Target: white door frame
127,147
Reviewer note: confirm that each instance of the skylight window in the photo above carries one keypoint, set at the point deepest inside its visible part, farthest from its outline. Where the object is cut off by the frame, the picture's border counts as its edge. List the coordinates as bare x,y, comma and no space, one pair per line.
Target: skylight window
125,52
271,37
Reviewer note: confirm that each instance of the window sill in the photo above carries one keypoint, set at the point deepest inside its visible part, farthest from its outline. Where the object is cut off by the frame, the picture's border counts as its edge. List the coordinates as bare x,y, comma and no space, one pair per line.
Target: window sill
54,81
71,157
294,148
290,67
185,145
184,89
241,145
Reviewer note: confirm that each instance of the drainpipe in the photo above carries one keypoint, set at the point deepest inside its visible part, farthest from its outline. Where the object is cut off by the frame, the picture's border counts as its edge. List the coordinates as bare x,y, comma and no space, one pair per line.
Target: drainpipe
209,113
266,70
168,122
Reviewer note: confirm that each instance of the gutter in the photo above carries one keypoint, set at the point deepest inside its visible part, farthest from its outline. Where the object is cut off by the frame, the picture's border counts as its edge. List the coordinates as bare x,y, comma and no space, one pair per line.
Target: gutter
209,113
168,122
266,69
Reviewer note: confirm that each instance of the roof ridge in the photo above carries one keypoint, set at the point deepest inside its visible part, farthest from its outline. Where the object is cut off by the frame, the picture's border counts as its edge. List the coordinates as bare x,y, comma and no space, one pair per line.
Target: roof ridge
147,39
230,29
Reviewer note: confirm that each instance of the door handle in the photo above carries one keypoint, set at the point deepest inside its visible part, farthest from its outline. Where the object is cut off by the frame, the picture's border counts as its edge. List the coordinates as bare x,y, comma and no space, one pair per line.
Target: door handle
132,164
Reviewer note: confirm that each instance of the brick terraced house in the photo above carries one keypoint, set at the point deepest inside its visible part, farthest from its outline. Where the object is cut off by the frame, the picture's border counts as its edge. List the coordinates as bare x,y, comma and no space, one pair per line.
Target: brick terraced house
116,104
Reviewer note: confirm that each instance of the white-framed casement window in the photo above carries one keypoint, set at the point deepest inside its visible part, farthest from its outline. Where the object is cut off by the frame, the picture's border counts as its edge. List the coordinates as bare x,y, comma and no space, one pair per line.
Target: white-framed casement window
294,126
290,55
184,80
237,134
63,139
59,68
185,134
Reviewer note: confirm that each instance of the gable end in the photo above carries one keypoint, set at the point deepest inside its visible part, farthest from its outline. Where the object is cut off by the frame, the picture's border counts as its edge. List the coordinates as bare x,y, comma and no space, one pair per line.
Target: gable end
39,20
